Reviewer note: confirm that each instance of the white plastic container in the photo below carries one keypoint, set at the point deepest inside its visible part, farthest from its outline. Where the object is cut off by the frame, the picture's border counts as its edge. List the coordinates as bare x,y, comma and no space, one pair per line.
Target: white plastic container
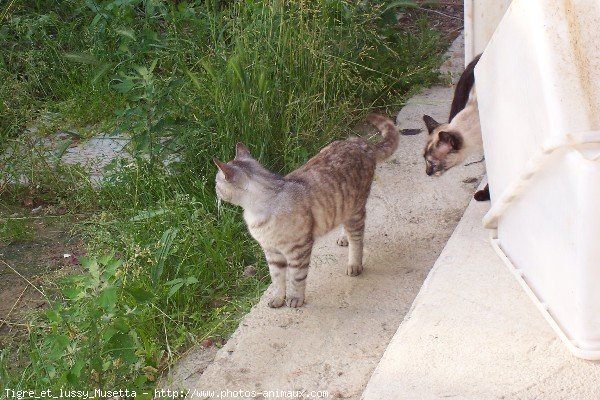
481,19
538,88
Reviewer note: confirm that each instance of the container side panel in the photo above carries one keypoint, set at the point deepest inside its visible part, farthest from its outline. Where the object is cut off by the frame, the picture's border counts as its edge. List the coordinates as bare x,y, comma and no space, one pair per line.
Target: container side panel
538,80
587,300
538,234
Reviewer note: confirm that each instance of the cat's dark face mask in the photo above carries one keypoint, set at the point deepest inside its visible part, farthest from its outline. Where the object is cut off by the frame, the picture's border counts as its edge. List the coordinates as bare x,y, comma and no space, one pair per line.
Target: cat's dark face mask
432,167
443,149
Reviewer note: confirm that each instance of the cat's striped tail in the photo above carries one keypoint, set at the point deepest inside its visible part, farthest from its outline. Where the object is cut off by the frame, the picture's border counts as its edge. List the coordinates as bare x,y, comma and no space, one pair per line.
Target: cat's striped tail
389,144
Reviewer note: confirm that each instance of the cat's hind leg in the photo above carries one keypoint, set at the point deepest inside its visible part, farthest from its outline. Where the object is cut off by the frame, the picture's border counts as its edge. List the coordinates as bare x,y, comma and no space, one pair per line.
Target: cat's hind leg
277,269
355,230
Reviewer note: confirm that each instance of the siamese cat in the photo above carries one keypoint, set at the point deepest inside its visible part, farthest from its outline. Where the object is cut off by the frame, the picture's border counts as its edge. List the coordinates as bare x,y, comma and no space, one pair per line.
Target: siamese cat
285,214
450,143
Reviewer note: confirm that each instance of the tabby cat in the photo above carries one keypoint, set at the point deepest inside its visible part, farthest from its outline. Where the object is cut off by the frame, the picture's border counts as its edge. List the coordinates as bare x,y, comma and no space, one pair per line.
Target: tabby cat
285,214
450,143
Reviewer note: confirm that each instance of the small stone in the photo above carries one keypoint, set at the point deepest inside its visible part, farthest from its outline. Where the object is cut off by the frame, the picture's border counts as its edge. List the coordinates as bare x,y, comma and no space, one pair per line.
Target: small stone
250,271
206,343
36,210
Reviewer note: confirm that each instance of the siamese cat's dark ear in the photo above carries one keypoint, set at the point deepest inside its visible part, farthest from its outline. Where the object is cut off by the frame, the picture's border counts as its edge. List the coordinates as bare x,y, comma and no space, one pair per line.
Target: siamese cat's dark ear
430,123
241,151
452,139
227,169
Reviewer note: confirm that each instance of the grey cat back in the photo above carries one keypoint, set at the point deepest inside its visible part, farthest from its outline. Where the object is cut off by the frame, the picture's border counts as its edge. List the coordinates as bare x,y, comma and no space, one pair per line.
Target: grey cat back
285,214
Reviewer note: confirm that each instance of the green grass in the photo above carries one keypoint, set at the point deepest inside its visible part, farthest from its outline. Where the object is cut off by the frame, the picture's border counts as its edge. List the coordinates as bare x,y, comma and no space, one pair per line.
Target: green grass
188,79
14,230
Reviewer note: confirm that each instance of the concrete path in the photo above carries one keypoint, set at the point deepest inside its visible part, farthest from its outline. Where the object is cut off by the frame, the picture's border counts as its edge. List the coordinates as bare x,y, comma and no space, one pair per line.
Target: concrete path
336,340
474,334
93,154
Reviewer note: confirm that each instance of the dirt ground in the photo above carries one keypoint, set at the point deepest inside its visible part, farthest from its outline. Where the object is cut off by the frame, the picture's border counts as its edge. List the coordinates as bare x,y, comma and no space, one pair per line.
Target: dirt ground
28,263
446,17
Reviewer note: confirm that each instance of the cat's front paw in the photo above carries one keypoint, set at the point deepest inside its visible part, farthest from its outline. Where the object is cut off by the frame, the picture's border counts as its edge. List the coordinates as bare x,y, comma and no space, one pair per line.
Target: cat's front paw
295,302
342,241
354,270
276,302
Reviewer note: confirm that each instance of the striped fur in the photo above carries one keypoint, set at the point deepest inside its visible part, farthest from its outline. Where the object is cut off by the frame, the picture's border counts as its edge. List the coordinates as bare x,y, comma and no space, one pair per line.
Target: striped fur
285,214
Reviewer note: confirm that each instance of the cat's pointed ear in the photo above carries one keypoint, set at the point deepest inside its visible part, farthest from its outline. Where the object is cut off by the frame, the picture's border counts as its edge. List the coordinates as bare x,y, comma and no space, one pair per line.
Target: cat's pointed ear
453,139
227,169
430,123
241,151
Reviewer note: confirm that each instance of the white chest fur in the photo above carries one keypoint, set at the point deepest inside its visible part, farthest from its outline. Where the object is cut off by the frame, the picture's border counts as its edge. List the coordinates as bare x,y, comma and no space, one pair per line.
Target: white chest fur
258,225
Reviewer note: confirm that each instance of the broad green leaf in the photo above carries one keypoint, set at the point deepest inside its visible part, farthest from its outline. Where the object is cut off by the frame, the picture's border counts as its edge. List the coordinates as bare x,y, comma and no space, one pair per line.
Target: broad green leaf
174,289
77,367
92,266
104,259
82,58
72,292
108,298
143,71
174,282
53,315
141,295
96,363
149,8
126,32
124,86
121,324
191,280
108,333
194,78
58,345
92,5
51,371
61,341
148,214
153,65
62,149
96,19
100,72
166,241
122,345
111,268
